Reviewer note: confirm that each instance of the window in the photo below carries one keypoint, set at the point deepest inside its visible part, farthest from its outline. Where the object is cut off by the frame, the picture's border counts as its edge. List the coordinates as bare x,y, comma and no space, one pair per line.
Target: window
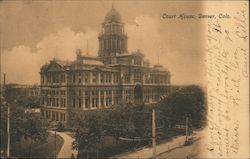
86,77
56,116
93,101
109,78
86,103
74,78
102,78
42,79
64,117
86,93
64,102
102,101
80,102
61,102
94,77
57,102
80,78
53,102
74,103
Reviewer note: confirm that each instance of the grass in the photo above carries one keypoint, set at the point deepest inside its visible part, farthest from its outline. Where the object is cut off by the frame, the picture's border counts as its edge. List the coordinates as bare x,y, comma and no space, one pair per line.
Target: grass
45,149
108,146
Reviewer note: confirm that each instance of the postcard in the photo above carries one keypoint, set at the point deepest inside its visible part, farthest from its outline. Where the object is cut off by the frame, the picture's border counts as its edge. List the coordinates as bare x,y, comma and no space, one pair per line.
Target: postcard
124,79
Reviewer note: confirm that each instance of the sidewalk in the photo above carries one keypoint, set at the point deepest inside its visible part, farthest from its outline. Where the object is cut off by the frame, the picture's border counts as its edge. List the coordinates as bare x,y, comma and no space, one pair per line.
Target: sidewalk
66,150
161,148
147,152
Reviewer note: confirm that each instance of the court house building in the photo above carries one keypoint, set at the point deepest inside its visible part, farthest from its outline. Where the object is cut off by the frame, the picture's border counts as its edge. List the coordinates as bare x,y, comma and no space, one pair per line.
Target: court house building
115,76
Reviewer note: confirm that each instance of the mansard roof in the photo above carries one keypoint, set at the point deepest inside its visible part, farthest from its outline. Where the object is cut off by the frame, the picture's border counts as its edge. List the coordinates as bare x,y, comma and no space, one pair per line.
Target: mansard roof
136,53
159,68
55,65
88,60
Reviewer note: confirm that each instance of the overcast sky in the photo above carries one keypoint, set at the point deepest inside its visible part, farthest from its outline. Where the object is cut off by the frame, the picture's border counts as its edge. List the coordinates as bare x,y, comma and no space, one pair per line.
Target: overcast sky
35,32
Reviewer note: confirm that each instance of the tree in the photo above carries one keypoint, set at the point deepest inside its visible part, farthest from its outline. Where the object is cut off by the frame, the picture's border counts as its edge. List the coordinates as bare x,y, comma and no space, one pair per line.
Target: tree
142,121
22,125
128,121
188,101
88,132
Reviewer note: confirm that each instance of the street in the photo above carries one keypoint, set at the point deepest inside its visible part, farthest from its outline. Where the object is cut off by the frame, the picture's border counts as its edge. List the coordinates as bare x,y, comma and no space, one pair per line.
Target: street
170,149
192,150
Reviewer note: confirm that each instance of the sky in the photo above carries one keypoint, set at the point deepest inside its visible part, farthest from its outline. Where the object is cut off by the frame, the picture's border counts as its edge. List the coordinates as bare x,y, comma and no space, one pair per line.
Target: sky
35,32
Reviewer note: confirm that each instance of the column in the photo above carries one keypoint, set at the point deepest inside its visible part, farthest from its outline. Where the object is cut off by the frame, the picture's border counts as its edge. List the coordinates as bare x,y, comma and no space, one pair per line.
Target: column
143,78
50,115
90,77
90,99
119,44
99,98
115,44
111,44
59,116
125,45
99,77
106,44
112,78
131,78
83,99
102,47
122,44
104,96
112,97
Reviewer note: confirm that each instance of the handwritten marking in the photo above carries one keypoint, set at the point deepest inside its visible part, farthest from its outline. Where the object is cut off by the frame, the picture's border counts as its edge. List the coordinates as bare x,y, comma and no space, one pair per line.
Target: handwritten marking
227,67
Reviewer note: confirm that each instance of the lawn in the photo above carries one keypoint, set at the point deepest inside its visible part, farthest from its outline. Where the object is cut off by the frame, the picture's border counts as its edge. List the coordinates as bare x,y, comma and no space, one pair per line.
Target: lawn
109,147
45,149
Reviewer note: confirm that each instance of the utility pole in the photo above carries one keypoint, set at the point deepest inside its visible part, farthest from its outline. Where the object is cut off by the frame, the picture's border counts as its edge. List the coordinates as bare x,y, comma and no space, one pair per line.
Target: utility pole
153,134
186,128
8,119
55,143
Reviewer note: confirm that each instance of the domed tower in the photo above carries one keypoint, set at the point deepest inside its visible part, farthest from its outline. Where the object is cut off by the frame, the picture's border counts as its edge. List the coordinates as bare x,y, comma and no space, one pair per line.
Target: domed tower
112,39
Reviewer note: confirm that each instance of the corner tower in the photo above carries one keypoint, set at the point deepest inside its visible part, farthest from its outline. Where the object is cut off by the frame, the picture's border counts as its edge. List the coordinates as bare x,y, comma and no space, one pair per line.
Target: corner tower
112,39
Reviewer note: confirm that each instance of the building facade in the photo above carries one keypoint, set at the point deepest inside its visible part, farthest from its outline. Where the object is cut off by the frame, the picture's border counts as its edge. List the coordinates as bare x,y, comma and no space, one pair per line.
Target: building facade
114,77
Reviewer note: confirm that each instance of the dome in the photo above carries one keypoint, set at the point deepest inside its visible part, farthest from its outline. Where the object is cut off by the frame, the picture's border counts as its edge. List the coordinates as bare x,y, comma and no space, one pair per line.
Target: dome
113,16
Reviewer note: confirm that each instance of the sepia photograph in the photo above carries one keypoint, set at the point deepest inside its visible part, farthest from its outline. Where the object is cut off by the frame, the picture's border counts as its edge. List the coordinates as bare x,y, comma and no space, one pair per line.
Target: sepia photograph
124,79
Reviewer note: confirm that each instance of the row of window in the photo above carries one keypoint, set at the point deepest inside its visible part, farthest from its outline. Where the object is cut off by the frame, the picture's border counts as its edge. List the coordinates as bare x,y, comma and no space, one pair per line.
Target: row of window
54,115
158,79
93,92
138,77
137,61
85,78
81,78
113,44
53,78
93,102
113,29
53,92
54,102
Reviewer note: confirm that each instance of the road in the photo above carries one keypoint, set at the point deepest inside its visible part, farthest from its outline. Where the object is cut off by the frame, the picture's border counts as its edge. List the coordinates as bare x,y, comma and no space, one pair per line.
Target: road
170,149
147,152
193,150
66,150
